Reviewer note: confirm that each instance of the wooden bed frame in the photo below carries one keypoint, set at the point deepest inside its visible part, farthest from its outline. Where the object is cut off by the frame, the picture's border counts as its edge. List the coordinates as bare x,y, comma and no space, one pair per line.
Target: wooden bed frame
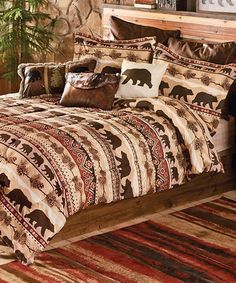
206,185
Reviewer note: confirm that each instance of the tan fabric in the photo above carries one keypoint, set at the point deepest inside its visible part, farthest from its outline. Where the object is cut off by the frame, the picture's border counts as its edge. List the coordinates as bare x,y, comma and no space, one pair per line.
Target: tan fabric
56,161
90,90
137,50
203,86
125,30
225,135
48,78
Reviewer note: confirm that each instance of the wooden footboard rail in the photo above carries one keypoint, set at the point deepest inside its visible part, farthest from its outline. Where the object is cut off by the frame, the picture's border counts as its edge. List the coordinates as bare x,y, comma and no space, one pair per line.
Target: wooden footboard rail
99,217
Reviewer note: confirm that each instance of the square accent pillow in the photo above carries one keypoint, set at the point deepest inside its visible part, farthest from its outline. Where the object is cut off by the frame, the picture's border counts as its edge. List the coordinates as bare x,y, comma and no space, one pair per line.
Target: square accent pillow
126,30
140,79
136,50
202,85
48,78
90,90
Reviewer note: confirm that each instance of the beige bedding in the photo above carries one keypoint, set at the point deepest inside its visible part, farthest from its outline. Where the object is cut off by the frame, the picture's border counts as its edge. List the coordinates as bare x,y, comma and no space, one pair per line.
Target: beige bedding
56,161
225,135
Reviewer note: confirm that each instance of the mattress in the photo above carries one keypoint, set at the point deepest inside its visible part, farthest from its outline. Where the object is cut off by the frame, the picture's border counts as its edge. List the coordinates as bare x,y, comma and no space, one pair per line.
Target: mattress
225,135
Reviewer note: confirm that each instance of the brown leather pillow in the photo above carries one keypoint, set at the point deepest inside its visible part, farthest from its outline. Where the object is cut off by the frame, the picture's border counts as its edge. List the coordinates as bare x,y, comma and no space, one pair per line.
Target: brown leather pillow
126,30
48,78
90,90
218,53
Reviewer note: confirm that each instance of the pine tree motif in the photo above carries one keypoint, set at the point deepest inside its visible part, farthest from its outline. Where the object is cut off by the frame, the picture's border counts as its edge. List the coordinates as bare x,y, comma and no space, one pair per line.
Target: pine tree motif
56,78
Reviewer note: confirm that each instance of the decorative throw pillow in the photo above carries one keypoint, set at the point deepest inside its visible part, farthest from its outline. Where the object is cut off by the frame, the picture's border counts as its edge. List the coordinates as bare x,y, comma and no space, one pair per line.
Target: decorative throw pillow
140,79
137,50
48,78
202,85
90,90
125,30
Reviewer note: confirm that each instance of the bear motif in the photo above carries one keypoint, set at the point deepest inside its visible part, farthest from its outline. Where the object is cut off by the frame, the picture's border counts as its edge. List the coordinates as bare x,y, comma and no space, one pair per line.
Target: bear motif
7,241
162,86
27,149
128,191
160,113
97,126
17,197
174,174
35,75
226,71
159,126
38,159
110,70
58,189
15,142
4,137
179,92
124,166
48,172
203,99
4,181
114,140
20,256
169,155
41,220
165,140
141,75
145,105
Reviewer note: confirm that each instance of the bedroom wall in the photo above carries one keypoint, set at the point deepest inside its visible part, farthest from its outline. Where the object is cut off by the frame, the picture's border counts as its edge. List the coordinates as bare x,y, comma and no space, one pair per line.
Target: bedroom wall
72,15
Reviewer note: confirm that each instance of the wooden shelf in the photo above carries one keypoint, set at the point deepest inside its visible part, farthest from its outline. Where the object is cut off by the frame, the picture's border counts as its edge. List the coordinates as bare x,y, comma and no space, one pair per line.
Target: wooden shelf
213,27
212,15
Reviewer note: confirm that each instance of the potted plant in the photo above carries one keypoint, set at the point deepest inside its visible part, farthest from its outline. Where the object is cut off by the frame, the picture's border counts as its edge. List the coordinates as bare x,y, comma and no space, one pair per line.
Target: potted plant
23,36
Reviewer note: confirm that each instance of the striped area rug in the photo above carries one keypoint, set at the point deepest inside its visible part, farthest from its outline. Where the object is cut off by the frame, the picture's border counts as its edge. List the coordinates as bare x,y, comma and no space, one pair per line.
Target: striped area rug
194,245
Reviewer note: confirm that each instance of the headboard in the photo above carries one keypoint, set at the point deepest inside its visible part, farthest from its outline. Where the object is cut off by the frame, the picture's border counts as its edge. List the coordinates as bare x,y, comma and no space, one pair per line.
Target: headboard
199,26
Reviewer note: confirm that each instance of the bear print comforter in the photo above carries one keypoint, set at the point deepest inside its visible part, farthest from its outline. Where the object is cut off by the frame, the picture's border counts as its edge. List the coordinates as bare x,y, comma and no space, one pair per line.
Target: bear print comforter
56,161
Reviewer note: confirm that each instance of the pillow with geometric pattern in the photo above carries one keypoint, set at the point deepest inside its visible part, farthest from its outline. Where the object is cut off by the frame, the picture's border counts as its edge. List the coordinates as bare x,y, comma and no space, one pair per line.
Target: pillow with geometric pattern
136,50
202,85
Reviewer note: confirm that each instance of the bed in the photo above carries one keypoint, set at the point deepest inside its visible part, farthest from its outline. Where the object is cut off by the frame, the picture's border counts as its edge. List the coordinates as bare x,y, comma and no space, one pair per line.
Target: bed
50,149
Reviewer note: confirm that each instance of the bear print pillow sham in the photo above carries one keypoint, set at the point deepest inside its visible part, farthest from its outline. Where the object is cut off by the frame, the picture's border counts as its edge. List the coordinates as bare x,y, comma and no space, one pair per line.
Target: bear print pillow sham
140,79
202,85
48,78
136,50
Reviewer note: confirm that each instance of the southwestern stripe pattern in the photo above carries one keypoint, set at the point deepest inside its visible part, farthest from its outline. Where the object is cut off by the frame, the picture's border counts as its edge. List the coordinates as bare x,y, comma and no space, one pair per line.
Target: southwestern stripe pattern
194,245
56,161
